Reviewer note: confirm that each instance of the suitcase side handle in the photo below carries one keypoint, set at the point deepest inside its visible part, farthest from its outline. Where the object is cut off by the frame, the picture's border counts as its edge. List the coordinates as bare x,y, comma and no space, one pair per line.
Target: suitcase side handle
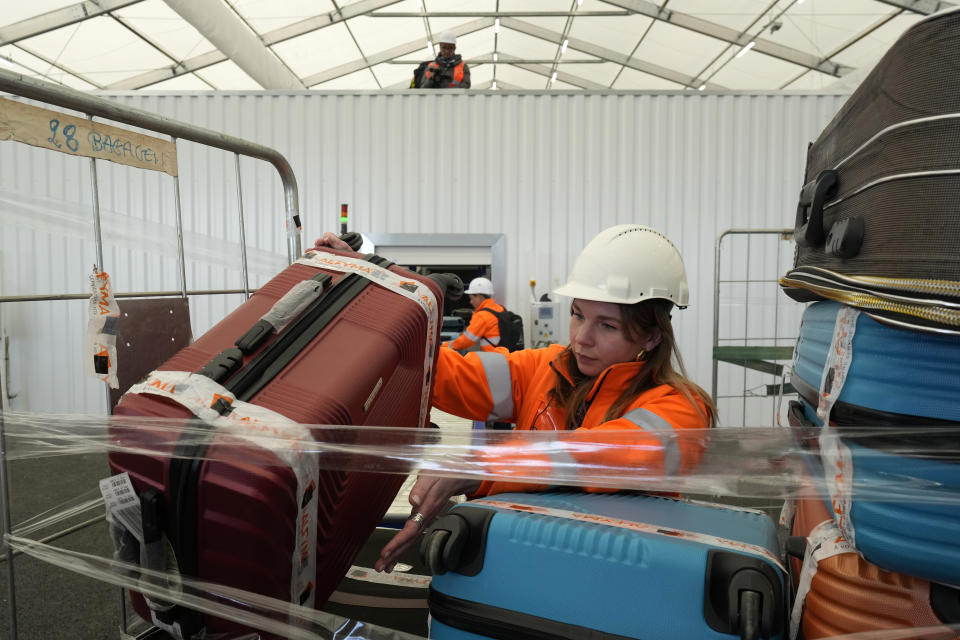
809,230
945,602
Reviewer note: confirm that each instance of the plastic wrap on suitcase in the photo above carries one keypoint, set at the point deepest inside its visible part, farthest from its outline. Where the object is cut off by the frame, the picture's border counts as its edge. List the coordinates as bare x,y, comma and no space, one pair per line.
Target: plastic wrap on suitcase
849,595
878,207
333,339
396,600
606,566
910,538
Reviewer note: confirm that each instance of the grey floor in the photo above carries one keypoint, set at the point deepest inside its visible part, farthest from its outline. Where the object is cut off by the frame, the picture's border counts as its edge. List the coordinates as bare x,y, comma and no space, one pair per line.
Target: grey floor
54,603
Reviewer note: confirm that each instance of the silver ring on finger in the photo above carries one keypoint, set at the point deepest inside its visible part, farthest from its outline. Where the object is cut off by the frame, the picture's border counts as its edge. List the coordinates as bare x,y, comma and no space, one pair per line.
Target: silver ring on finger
418,519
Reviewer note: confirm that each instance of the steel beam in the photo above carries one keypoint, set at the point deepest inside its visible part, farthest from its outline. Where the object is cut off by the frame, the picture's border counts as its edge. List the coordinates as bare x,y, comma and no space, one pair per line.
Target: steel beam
57,18
270,38
721,32
58,65
389,54
925,7
219,24
497,14
608,54
543,70
488,59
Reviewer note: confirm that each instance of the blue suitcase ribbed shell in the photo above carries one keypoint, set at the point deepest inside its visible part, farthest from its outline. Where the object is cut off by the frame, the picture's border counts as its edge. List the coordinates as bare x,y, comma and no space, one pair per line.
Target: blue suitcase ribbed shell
893,370
599,577
919,538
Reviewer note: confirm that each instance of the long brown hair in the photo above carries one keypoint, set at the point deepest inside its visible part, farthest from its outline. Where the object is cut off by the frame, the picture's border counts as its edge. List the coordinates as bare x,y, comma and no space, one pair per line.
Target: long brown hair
663,366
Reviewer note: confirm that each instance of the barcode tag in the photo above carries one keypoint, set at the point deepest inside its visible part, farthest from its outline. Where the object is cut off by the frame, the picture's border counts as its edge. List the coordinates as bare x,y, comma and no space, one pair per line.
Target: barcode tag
122,503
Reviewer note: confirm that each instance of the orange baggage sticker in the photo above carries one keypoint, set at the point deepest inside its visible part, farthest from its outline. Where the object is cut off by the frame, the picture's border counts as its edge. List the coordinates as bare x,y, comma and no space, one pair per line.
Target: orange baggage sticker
824,541
290,442
100,341
422,295
836,456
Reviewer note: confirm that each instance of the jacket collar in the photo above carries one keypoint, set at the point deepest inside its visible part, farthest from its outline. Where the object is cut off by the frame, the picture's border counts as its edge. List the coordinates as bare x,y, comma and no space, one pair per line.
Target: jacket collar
617,374
489,303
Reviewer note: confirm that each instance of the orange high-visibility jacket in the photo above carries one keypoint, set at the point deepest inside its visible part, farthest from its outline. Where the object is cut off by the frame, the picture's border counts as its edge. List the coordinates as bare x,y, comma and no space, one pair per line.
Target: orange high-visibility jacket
483,329
456,76
514,387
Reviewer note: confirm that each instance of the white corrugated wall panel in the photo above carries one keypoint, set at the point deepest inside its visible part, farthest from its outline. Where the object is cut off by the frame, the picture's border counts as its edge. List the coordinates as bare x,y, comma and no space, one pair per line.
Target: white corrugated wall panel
546,170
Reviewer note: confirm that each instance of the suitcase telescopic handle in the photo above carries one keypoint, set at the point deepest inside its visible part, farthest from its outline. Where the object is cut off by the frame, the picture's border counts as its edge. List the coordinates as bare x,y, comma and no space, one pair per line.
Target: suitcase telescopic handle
353,239
451,284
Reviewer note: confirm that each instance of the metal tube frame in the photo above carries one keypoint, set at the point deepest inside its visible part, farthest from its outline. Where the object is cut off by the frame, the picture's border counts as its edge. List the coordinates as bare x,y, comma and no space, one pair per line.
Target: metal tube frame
716,294
49,93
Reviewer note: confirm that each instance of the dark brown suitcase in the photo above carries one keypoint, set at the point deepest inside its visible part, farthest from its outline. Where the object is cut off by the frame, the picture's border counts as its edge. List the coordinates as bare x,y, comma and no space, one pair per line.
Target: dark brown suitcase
359,354
877,222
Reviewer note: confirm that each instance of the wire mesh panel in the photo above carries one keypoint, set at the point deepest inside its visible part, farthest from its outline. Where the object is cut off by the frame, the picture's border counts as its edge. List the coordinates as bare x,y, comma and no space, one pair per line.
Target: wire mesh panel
755,325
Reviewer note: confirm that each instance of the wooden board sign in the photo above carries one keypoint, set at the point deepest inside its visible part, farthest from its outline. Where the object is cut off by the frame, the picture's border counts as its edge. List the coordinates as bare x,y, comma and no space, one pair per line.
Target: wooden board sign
81,137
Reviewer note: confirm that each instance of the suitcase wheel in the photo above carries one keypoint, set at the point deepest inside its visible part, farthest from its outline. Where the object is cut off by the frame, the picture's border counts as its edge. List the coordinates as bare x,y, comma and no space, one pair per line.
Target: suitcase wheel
432,551
456,541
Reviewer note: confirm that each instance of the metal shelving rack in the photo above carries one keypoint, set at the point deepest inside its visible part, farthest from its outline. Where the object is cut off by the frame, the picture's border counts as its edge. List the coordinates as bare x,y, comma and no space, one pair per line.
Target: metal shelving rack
93,106
763,354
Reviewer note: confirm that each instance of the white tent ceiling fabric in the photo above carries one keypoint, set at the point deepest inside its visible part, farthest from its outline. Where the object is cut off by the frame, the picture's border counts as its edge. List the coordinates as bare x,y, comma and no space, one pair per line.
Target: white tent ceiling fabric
346,45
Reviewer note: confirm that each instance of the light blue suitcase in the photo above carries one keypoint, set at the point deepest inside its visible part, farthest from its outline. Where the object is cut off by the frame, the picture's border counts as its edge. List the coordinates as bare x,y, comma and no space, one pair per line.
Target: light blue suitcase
893,370
603,566
919,537
898,380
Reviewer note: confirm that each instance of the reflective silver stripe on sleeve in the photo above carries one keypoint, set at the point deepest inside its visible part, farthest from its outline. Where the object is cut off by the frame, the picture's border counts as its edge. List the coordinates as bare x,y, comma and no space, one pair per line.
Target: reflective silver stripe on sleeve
470,336
563,466
494,340
646,420
499,382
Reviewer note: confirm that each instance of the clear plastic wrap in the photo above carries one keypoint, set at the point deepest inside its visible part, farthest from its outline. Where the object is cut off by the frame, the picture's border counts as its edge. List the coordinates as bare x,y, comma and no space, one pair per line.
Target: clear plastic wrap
739,463
753,462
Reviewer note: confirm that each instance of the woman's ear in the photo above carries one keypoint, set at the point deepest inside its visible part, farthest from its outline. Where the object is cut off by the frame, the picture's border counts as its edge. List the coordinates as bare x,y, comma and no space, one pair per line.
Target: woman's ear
652,340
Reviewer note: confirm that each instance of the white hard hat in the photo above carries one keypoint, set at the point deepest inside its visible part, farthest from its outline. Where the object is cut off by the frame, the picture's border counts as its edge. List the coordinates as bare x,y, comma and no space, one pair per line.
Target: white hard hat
447,37
628,263
480,285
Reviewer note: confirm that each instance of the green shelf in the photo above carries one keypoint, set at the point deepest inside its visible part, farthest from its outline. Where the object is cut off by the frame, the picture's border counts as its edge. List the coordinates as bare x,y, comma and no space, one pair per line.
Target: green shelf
757,358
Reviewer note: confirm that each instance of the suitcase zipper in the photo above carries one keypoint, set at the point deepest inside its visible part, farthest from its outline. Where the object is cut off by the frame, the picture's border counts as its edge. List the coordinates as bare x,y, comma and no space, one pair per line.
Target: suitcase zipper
275,357
938,315
506,624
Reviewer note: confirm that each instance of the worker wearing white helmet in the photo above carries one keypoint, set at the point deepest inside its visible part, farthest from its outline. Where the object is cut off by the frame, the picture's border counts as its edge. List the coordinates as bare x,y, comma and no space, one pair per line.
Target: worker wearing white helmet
621,372
483,332
447,71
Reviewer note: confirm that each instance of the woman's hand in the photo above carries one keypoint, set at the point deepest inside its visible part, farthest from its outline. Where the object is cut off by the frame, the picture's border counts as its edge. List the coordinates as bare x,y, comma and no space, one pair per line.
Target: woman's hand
428,496
332,241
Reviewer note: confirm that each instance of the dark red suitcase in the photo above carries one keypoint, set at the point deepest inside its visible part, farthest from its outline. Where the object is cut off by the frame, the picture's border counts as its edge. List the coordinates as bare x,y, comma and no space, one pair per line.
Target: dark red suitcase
229,511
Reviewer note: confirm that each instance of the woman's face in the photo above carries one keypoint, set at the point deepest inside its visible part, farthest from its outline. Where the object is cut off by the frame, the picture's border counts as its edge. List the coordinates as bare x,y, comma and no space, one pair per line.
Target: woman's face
598,336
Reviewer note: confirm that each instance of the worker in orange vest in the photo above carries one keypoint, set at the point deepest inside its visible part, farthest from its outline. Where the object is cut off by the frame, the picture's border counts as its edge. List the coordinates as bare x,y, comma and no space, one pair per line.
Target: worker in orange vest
483,332
619,386
448,71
